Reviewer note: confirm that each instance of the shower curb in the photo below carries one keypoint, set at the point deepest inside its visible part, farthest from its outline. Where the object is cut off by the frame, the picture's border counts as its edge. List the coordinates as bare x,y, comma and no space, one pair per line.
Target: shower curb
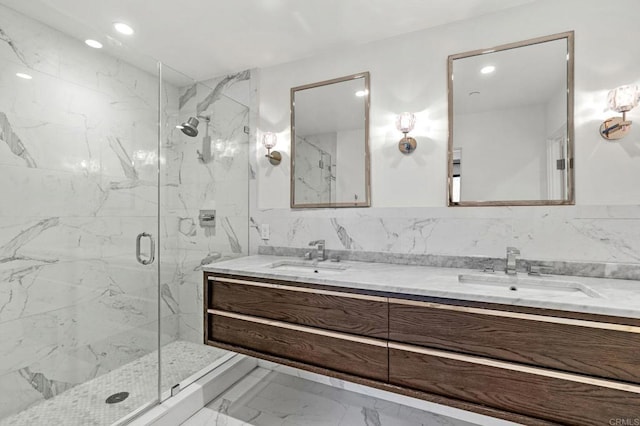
185,404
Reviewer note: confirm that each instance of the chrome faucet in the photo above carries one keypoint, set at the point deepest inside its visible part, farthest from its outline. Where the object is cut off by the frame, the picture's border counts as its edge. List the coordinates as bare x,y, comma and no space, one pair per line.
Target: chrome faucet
512,260
320,254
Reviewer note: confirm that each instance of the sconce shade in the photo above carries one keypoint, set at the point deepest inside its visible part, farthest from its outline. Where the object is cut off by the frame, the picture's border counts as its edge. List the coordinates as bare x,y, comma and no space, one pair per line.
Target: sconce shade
405,122
269,140
623,98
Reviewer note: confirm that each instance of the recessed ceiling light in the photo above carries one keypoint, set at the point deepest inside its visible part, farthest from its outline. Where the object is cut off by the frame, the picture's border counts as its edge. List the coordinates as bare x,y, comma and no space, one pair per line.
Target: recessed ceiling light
488,69
361,93
23,75
123,28
93,43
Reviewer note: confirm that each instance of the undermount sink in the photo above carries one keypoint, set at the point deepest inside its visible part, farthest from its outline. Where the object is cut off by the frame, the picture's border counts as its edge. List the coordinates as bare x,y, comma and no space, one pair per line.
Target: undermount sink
308,266
528,285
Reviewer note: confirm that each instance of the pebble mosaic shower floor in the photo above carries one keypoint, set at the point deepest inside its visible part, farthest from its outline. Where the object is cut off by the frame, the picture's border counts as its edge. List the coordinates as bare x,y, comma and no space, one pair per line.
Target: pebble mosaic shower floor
84,405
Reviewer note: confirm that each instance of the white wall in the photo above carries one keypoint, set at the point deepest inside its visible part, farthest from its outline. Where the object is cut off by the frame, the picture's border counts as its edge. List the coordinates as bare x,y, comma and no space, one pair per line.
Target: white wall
409,213
350,170
488,139
409,73
556,108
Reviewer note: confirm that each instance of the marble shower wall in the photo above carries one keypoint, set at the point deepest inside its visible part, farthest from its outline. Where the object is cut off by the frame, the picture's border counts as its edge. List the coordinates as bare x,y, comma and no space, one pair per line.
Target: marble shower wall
78,153
220,184
315,160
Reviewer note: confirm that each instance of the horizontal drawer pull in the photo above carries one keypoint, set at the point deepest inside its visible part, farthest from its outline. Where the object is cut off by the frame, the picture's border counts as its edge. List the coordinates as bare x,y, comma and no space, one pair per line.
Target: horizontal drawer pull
522,316
310,330
517,367
301,289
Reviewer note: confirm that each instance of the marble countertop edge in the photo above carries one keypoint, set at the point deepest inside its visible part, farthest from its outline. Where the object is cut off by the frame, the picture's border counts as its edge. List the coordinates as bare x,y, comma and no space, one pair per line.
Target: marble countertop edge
619,297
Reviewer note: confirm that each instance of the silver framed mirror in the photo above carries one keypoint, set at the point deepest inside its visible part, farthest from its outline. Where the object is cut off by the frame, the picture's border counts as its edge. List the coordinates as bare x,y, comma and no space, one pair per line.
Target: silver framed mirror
330,159
511,124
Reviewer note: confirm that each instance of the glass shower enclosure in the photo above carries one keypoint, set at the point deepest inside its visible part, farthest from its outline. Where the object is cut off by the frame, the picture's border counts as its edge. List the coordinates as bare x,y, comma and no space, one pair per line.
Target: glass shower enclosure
101,231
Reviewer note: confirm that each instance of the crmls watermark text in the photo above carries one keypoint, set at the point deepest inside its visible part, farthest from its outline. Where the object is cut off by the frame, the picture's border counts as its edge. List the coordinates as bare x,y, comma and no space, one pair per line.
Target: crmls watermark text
625,422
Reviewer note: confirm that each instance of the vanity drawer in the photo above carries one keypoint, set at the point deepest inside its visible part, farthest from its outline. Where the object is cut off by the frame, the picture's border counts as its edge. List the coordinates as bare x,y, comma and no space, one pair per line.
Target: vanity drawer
333,310
361,356
546,394
588,347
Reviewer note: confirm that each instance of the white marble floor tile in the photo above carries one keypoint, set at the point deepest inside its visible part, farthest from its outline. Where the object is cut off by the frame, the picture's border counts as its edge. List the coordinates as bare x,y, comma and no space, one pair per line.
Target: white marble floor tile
267,398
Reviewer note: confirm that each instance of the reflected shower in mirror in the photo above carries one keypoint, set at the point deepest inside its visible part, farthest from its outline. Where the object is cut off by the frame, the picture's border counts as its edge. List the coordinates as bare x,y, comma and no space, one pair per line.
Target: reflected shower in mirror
329,150
511,124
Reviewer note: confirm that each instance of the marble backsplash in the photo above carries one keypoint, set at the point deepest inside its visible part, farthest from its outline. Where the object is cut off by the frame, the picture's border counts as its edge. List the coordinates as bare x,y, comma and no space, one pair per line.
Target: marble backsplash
626,271
575,240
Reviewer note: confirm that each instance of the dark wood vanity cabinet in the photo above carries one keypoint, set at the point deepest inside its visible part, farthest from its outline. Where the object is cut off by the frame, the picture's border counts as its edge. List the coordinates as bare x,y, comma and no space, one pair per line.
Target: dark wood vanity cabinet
528,365
595,347
363,357
331,310
335,330
536,392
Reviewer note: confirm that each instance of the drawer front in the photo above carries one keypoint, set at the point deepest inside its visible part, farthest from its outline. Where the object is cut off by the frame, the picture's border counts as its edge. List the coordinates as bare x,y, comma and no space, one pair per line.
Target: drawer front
559,397
364,357
350,313
587,347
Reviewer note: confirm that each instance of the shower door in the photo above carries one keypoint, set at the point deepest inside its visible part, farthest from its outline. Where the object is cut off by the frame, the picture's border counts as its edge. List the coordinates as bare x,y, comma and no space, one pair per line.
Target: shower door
79,163
204,212
100,243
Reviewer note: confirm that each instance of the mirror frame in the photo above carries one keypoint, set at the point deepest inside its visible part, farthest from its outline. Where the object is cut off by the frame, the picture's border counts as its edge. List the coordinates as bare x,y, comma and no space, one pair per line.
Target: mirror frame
367,155
570,200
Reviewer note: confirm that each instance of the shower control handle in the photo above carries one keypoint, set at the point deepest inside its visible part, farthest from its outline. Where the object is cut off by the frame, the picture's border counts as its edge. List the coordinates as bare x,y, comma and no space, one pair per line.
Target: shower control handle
152,249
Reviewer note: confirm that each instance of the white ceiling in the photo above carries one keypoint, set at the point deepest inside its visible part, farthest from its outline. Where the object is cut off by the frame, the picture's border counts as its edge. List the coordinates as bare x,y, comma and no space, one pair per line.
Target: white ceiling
206,38
330,108
528,75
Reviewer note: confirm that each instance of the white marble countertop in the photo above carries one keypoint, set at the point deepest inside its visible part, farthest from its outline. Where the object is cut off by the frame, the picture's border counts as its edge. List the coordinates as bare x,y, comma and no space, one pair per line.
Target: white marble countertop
576,294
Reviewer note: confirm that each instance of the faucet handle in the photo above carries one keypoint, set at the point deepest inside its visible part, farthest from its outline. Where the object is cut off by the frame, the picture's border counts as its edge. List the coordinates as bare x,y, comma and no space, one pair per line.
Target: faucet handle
538,270
316,242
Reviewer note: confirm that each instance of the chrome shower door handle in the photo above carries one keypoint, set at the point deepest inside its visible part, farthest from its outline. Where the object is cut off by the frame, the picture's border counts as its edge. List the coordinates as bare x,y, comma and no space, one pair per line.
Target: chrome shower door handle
152,249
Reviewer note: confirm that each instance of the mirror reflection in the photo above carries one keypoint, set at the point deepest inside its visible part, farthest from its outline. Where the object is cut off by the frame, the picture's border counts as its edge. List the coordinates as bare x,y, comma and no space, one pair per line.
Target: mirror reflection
510,122
329,133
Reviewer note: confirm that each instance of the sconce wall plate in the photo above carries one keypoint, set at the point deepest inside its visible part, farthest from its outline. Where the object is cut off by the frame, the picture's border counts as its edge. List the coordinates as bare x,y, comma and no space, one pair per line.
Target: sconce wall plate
407,145
621,99
274,158
615,128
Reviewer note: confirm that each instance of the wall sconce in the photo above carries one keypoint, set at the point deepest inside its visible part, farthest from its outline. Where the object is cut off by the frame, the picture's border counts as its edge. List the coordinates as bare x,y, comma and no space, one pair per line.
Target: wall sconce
621,99
405,123
269,140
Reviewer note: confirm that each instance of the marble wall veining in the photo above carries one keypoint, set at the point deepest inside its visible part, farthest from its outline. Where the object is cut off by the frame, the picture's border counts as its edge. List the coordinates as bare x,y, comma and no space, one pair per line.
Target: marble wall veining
78,155
408,214
79,158
220,184
314,168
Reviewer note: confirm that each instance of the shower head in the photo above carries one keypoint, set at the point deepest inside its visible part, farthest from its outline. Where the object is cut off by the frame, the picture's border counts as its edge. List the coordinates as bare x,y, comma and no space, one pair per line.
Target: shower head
190,127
